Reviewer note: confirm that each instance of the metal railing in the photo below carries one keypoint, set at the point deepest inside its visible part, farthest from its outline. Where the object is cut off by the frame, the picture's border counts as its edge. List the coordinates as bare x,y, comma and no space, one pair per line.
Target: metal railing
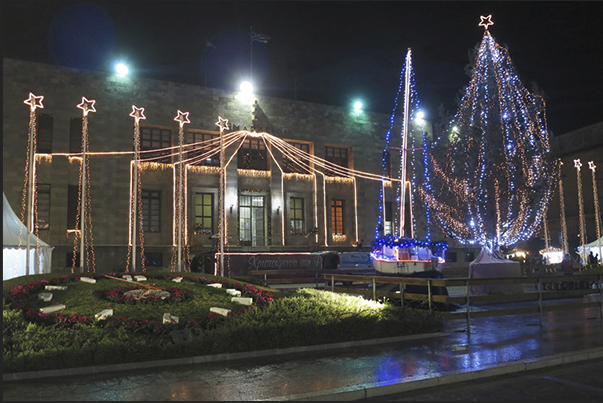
543,287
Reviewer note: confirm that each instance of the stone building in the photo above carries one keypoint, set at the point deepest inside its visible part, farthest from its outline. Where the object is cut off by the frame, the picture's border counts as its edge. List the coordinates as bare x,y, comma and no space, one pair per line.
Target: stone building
270,203
586,145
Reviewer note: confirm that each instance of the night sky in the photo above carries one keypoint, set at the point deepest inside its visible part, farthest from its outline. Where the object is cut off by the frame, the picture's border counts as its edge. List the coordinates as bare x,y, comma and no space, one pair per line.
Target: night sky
325,52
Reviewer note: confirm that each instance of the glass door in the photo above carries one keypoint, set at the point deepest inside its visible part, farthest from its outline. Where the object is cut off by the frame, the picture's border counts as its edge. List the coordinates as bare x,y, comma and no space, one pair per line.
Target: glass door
251,221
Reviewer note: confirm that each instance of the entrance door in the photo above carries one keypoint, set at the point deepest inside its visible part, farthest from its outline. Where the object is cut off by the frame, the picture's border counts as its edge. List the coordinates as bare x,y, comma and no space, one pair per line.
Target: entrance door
251,221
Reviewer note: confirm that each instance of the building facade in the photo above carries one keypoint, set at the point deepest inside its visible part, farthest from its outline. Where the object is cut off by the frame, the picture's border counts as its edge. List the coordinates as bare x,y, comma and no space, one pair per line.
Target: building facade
320,196
578,187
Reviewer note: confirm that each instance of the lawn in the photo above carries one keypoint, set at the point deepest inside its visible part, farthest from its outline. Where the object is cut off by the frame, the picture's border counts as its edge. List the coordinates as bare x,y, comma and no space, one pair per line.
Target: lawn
73,337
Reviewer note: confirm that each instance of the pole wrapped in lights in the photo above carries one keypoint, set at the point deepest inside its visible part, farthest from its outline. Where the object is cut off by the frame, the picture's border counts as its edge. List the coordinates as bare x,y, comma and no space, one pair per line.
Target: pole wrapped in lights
135,196
29,189
563,221
492,176
407,89
592,167
179,197
578,165
83,215
223,125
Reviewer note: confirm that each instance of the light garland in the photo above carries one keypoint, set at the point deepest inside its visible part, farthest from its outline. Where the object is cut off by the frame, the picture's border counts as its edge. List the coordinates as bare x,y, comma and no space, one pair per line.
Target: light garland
563,222
203,169
577,165
135,197
254,173
339,179
298,176
339,237
29,186
154,166
223,125
497,167
179,199
84,209
592,167
47,158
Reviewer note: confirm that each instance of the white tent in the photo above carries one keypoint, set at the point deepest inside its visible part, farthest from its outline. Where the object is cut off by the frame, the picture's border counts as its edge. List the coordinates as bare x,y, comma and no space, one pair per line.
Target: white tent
494,265
594,248
14,252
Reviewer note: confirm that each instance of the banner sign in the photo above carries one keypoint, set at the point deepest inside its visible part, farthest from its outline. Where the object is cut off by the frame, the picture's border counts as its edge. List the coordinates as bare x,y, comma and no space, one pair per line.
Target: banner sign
245,263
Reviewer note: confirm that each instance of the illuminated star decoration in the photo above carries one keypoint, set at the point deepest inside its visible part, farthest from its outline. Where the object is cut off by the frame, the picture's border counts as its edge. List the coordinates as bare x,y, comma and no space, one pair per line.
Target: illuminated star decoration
577,164
182,118
34,102
591,165
137,113
87,106
485,21
222,123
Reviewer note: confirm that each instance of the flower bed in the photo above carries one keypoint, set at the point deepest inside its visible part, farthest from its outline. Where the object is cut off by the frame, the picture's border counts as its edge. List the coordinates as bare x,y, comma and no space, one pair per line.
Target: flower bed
124,296
16,298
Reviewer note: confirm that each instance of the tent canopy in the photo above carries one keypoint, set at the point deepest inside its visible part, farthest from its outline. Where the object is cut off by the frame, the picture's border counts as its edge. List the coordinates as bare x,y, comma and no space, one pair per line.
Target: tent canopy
595,243
14,237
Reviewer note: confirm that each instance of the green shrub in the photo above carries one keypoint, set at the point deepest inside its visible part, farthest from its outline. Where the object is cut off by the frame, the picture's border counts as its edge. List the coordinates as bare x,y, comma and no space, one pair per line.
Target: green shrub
72,338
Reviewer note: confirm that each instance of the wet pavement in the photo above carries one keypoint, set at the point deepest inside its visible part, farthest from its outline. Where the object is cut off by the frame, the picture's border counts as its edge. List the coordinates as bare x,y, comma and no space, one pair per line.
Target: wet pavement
511,345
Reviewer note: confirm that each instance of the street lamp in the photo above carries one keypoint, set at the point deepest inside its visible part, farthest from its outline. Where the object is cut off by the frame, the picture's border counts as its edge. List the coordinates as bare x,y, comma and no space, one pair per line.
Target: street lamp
121,69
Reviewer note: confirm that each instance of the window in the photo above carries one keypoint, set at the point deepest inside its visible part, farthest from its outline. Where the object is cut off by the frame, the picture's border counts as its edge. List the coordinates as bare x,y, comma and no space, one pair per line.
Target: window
296,215
292,167
75,135
154,138
43,211
337,217
73,193
337,156
206,145
204,213
253,155
151,210
153,259
44,133
450,256
388,214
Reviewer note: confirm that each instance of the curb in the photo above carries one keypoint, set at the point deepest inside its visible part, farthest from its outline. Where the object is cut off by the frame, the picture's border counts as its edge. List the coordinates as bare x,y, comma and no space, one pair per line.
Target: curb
98,369
384,388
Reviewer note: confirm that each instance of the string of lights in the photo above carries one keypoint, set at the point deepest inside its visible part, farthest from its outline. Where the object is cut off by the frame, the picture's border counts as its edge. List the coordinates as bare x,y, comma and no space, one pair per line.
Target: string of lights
30,189
592,167
563,222
578,165
495,163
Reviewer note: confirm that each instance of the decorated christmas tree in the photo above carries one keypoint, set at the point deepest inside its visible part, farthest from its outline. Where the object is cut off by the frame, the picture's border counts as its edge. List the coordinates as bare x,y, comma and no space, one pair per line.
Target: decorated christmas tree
492,174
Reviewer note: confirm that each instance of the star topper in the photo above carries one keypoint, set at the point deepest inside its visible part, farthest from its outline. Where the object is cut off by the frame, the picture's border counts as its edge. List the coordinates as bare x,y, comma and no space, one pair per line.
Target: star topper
577,163
34,102
591,165
486,21
87,106
222,123
137,113
182,118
